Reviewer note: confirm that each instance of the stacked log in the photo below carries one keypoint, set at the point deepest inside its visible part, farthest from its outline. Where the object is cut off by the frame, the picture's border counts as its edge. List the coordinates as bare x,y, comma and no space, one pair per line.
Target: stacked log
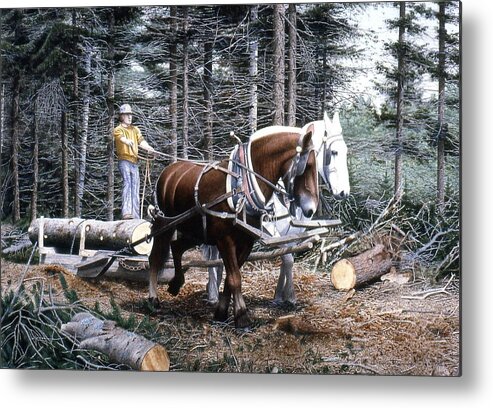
66,233
349,273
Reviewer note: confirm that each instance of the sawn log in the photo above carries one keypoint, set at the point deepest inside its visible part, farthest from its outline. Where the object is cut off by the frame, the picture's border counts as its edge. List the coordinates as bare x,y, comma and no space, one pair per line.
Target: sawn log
121,346
70,233
349,273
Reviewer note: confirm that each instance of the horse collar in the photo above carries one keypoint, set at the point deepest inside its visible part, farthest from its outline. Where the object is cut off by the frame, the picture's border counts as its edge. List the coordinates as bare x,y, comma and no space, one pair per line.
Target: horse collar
251,196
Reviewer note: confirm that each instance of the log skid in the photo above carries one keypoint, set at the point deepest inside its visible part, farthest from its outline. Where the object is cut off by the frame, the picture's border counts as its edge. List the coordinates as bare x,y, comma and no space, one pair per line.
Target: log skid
349,273
70,233
121,346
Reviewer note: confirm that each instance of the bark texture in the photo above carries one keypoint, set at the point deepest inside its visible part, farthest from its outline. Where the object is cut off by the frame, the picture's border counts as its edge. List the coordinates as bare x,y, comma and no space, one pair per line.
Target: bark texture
101,235
349,273
120,345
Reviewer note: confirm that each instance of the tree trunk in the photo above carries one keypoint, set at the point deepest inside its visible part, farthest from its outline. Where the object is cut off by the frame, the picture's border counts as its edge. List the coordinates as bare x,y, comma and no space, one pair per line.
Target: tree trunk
363,268
64,176
76,101
292,65
121,346
185,82
253,71
15,123
66,234
110,102
278,64
324,81
80,184
442,33
208,99
398,186
2,133
173,109
35,181
2,112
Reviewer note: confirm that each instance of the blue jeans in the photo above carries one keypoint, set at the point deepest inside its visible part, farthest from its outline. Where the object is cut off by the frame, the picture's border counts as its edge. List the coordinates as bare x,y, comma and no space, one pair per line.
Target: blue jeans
131,187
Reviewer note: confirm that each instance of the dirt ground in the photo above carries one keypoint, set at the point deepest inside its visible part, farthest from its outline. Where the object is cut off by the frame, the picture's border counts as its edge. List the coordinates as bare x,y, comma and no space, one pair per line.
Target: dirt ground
385,328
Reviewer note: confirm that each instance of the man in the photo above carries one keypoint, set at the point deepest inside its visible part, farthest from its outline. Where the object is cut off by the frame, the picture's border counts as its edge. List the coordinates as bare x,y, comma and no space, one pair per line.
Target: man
128,138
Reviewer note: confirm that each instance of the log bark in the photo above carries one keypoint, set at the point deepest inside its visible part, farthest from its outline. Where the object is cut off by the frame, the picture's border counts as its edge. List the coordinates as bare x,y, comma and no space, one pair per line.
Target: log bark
121,346
65,233
349,273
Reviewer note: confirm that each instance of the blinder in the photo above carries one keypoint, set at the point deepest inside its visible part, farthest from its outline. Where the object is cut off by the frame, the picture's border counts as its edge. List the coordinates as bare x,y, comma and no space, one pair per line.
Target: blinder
328,152
302,162
297,169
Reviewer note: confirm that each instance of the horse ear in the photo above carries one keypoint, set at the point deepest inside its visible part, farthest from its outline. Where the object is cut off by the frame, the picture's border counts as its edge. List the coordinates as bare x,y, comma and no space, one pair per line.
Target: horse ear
307,137
337,123
327,120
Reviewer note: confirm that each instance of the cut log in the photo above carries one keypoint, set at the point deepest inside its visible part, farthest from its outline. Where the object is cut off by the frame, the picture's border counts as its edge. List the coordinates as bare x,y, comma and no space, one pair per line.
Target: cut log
283,240
349,273
70,233
315,223
121,346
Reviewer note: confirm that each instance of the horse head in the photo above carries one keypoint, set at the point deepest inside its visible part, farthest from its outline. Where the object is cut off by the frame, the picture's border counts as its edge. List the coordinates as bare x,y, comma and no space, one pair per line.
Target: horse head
332,155
301,179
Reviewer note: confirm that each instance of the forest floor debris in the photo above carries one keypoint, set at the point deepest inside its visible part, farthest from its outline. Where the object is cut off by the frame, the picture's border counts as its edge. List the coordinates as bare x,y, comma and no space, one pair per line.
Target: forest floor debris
382,329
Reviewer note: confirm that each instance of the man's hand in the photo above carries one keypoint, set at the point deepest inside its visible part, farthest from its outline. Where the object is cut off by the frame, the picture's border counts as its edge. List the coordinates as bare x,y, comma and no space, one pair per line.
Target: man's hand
149,149
128,142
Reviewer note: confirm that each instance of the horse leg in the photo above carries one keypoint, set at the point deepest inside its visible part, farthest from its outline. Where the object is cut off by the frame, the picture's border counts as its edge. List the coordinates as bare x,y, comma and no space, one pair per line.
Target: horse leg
178,248
157,258
285,286
234,255
221,313
215,274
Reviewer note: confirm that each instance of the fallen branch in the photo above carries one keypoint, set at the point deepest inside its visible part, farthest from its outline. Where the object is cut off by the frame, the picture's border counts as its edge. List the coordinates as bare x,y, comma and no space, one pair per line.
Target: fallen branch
426,293
332,360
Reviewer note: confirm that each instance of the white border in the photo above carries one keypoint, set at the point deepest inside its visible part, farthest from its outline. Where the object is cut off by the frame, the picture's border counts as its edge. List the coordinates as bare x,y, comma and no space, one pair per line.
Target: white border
76,389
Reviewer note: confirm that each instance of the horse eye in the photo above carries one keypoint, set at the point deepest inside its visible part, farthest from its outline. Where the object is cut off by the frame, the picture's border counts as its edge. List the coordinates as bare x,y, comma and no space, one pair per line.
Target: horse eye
334,153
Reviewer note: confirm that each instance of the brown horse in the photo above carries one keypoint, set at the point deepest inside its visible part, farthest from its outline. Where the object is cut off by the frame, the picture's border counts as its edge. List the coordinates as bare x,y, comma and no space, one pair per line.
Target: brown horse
185,187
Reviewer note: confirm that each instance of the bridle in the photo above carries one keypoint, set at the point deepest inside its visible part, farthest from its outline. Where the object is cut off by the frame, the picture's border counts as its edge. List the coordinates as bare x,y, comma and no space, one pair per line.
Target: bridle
327,153
255,202
297,167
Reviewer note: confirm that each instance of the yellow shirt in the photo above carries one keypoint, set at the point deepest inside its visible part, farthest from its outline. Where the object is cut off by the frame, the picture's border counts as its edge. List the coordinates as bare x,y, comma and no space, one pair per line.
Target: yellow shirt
123,151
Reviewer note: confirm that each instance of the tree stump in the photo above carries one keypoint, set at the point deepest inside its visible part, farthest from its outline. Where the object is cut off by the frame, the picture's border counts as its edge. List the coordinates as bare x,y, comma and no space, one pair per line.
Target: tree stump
120,345
349,273
67,233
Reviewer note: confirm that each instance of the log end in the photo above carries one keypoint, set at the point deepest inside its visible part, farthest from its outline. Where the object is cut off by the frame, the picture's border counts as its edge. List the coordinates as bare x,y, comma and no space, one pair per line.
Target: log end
141,231
156,359
343,275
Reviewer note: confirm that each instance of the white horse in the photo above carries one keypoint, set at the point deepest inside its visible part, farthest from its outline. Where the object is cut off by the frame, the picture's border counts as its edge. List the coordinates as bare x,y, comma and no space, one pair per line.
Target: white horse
331,151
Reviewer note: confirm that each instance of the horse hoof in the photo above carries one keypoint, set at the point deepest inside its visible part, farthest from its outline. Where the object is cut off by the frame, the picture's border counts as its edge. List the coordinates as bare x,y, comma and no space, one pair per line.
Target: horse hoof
220,316
153,303
242,320
174,288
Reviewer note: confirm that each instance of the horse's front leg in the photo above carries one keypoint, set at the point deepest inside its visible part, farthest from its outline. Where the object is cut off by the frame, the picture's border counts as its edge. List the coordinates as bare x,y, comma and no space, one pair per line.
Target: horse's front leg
233,255
285,286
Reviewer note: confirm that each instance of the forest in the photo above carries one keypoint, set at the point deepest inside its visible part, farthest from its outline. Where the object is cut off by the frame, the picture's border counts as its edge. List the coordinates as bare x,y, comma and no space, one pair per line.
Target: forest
193,74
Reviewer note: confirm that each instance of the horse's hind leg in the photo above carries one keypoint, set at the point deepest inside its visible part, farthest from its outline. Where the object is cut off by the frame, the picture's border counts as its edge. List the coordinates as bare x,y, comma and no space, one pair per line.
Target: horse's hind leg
178,248
215,273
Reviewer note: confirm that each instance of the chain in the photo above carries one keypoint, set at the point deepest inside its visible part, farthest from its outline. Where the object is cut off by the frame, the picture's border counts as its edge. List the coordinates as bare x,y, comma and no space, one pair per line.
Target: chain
139,265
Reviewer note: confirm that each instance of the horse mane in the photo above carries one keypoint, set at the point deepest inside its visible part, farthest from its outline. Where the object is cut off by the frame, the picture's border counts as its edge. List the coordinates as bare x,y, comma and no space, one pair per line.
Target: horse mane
270,130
